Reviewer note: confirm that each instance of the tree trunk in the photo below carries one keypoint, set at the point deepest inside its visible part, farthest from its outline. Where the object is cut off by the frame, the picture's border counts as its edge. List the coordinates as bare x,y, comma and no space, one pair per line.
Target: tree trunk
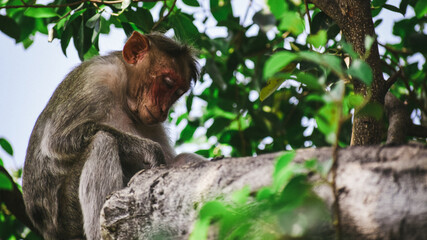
355,20
383,193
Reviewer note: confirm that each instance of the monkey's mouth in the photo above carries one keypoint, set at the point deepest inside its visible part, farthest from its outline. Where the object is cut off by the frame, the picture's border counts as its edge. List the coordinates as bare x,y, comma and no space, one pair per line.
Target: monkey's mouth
151,114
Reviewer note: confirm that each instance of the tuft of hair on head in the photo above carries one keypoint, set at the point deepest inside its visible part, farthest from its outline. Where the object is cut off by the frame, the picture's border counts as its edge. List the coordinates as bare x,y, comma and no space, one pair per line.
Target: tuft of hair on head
174,48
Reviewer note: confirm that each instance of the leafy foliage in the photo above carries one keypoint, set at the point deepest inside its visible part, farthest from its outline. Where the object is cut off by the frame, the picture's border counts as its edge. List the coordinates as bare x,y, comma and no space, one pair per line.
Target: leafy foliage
10,227
286,209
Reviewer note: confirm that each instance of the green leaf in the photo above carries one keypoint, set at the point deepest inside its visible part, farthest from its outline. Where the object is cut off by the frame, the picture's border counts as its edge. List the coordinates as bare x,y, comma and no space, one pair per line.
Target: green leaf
338,91
125,4
187,133
348,48
330,61
182,117
272,85
333,62
393,8
421,8
192,3
241,196
65,39
10,27
92,52
200,230
283,171
277,62
311,163
142,18
327,121
264,193
319,39
41,12
6,146
355,100
149,5
221,9
212,209
323,168
41,25
309,80
278,7
283,161
184,28
378,3
292,22
5,182
220,124
378,22
82,37
369,41
372,109
295,192
361,70
93,20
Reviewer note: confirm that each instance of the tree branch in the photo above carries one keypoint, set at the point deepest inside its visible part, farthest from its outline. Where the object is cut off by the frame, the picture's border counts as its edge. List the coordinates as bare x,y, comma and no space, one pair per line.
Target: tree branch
327,6
72,4
417,131
165,16
391,80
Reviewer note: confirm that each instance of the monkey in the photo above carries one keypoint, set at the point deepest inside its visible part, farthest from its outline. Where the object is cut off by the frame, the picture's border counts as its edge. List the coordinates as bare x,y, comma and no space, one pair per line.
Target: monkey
103,124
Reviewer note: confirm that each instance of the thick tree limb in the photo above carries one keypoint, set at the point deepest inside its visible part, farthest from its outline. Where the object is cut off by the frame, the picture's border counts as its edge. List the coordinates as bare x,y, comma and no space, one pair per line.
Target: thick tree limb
355,20
398,118
400,124
383,193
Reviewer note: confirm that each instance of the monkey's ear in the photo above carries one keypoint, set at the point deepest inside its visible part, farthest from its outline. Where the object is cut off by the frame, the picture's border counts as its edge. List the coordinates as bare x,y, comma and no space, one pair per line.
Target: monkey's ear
135,48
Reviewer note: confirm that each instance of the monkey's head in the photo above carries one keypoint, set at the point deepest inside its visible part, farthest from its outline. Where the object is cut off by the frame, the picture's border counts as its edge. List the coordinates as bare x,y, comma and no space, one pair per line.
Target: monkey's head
161,71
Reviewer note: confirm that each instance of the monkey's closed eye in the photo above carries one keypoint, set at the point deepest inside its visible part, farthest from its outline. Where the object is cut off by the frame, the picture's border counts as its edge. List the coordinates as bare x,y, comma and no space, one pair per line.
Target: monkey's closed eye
169,82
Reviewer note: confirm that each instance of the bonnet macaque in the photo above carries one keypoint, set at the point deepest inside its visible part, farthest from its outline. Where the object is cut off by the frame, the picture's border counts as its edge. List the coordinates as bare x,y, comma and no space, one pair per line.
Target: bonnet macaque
102,125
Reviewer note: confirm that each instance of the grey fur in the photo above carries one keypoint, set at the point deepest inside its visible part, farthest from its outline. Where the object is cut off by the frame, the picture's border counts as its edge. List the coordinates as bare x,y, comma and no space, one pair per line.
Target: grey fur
86,144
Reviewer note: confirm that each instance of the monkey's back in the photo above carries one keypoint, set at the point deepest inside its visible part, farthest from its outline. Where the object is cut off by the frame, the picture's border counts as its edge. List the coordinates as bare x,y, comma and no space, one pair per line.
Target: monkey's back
55,154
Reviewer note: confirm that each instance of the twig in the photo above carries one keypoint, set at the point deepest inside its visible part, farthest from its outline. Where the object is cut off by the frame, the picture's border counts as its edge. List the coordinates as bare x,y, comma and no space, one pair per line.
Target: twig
391,80
247,12
396,51
165,16
308,15
334,172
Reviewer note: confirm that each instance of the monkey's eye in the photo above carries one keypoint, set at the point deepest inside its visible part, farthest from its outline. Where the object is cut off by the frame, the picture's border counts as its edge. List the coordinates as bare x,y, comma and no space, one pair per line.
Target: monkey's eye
169,82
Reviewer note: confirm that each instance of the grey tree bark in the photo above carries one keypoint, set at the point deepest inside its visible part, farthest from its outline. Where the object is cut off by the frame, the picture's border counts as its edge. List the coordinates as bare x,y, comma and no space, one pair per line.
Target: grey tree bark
383,193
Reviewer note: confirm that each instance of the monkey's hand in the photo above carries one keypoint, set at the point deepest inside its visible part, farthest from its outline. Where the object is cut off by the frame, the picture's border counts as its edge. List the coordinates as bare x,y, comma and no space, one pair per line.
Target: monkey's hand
141,153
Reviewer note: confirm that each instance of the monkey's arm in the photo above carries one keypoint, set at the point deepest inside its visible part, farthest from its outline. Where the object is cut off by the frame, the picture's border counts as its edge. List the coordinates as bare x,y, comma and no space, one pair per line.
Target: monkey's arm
112,158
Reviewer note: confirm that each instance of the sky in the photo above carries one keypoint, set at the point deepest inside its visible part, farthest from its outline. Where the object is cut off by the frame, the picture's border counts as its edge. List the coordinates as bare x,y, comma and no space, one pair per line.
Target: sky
28,77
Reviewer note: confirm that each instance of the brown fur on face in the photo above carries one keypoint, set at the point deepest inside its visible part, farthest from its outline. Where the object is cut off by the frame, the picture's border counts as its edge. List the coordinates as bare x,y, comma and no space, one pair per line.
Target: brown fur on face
159,76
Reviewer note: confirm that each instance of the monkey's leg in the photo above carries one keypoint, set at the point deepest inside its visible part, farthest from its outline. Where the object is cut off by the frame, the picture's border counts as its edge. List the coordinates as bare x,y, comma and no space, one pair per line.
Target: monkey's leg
101,175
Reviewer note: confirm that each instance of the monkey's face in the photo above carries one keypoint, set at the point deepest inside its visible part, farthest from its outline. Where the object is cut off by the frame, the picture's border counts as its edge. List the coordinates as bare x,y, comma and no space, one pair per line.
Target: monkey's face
158,89
155,79
164,91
